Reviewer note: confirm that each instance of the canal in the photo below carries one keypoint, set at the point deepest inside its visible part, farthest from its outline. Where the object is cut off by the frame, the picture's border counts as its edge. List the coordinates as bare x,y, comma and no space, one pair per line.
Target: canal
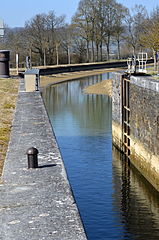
115,202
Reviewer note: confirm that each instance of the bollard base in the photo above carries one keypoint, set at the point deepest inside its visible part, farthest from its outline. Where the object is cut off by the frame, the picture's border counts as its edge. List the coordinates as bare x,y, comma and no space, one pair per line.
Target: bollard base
32,161
4,76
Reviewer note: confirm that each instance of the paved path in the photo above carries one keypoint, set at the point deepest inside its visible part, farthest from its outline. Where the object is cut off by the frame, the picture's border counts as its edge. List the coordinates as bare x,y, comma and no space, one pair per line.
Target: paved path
36,204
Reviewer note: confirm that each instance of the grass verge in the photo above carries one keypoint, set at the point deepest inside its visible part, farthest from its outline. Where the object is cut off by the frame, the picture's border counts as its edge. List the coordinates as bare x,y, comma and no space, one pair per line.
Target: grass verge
8,95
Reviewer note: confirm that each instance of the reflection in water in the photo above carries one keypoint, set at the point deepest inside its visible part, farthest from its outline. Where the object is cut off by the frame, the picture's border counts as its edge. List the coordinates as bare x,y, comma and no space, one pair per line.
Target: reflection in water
67,101
138,201
115,202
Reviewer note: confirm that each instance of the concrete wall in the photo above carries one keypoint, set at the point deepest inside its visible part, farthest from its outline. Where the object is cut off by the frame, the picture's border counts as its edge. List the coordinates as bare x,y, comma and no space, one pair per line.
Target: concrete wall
144,124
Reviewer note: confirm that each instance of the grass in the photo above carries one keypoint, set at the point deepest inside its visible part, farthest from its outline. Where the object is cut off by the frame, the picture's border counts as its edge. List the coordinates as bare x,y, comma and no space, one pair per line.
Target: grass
103,87
8,95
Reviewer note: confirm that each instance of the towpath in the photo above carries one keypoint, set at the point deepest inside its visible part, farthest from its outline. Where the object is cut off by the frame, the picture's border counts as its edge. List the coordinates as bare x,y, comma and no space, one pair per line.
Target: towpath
36,204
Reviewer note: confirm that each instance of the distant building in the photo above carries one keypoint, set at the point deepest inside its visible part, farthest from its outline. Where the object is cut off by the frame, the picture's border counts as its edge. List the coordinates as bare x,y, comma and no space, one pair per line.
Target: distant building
1,28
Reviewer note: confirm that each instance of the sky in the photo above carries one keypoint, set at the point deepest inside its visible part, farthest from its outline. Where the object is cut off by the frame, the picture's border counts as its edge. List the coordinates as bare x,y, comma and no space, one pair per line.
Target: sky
16,12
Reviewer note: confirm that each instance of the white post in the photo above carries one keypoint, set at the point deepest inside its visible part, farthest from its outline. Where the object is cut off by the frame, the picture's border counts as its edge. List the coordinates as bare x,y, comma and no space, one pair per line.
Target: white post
1,28
17,62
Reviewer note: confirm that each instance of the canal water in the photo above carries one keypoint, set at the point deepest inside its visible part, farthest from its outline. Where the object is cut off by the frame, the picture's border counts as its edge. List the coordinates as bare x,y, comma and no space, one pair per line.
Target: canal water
115,202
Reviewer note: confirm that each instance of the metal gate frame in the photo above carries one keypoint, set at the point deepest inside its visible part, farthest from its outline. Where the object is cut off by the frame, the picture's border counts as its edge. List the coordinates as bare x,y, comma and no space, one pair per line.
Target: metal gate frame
126,115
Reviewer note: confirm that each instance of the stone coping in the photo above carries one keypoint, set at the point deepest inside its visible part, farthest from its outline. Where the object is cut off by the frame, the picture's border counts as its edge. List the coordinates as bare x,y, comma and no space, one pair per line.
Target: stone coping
145,82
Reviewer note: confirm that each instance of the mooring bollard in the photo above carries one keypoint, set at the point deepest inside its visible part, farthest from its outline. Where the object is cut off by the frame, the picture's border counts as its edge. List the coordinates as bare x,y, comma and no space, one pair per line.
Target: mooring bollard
32,154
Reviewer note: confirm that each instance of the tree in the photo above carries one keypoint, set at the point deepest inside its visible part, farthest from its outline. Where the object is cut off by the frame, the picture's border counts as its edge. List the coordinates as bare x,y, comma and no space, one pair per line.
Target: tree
67,34
43,37
150,34
119,28
79,48
110,12
54,25
97,21
14,41
82,21
135,21
36,32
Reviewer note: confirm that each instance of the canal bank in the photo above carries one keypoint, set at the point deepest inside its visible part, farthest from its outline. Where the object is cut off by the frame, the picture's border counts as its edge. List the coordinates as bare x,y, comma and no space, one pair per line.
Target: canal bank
65,77
36,203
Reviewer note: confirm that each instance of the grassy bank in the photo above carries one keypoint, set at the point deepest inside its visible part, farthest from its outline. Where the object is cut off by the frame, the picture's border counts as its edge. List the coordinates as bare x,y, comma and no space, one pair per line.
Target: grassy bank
8,95
103,87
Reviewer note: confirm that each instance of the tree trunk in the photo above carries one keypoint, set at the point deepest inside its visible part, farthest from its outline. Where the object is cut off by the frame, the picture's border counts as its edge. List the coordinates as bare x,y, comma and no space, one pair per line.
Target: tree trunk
44,57
30,54
57,55
92,51
69,56
101,51
97,49
87,51
155,60
108,48
41,57
134,50
118,42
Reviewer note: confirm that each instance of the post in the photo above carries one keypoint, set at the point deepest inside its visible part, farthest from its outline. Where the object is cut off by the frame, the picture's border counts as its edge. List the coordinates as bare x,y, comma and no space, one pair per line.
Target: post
1,28
32,154
27,62
17,62
4,63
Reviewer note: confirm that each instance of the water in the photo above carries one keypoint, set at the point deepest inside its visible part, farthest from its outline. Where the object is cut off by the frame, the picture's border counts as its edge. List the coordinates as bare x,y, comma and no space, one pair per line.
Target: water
115,202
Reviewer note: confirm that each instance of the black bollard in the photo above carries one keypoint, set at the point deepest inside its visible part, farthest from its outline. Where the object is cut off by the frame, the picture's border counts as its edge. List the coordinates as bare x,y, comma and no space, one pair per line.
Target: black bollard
4,63
32,154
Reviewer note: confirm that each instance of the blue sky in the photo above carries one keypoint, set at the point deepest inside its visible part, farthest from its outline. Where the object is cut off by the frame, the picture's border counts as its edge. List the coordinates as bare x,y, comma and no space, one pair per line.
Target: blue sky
16,12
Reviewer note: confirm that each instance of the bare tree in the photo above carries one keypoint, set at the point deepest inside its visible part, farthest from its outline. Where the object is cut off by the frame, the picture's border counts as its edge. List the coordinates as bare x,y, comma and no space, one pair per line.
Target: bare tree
97,20
96,26
79,49
67,35
119,28
36,32
42,32
134,21
110,16
82,21
14,41
150,34
54,24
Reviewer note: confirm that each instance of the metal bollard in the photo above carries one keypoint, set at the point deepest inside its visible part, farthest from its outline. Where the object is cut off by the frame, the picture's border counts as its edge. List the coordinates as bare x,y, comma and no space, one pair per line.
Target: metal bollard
4,63
32,154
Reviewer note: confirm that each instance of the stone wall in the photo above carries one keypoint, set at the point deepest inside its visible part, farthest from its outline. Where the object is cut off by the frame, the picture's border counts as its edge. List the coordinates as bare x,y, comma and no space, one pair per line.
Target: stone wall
117,111
144,105
144,124
144,116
